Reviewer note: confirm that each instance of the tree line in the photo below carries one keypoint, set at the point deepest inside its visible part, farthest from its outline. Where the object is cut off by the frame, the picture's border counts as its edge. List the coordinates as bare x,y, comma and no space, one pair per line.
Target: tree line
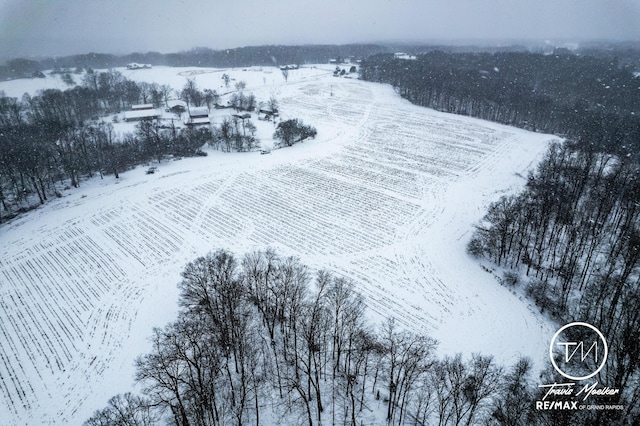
55,138
269,55
263,340
574,234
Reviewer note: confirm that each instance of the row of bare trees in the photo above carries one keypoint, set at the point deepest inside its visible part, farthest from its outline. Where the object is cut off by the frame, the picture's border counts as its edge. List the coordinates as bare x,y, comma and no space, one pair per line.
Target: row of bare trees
38,160
53,140
263,340
237,133
575,232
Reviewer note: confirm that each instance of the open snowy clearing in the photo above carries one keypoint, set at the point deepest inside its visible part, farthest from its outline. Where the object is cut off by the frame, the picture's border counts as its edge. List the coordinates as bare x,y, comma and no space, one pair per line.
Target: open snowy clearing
386,195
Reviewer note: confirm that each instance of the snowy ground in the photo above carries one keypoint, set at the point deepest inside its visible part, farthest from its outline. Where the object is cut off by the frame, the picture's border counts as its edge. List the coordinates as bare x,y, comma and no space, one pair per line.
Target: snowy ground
387,195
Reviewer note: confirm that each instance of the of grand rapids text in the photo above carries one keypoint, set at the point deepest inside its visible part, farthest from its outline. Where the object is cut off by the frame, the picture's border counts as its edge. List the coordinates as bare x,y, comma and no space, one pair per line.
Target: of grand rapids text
566,390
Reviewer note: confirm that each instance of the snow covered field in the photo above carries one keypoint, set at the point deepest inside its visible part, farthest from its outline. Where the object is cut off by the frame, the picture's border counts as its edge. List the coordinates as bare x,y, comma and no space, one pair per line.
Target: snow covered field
386,195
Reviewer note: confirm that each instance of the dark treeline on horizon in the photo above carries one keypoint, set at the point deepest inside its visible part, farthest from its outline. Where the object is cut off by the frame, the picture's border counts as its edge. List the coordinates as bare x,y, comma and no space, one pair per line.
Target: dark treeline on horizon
201,56
588,98
627,53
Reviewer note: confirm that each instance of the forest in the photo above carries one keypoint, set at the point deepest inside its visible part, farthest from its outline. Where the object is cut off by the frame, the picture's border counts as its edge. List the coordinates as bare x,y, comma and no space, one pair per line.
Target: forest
571,238
594,99
263,340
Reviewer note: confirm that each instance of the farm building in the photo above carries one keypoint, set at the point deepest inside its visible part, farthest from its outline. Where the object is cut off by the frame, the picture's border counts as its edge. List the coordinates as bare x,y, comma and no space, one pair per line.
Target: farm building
266,113
135,66
197,116
141,114
177,106
402,55
141,107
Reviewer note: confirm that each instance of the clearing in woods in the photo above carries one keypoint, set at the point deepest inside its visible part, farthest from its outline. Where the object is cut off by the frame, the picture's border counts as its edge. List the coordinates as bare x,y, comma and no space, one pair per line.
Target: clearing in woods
386,195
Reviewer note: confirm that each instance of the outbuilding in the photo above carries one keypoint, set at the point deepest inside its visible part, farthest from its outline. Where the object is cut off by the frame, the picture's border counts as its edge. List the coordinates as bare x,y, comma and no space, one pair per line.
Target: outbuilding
197,116
143,114
141,107
177,106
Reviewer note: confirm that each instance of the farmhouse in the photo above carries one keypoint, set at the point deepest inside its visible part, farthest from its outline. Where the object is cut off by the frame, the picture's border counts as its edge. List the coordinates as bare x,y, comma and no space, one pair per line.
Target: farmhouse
177,106
266,113
135,66
197,116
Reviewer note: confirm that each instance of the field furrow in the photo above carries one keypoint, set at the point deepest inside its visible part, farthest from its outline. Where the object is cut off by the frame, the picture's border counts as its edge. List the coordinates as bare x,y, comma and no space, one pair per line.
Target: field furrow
385,196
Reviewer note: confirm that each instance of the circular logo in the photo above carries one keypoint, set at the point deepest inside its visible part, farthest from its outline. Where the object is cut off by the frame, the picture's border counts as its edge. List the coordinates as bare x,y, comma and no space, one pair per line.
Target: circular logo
587,355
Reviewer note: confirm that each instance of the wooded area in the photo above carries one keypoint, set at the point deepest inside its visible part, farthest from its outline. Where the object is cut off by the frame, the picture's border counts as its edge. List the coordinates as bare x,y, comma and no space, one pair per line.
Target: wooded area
572,237
56,138
53,139
262,337
590,98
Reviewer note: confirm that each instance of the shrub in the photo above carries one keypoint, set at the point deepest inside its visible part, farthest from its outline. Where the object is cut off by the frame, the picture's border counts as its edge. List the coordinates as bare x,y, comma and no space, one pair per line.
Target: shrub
510,278
475,247
292,131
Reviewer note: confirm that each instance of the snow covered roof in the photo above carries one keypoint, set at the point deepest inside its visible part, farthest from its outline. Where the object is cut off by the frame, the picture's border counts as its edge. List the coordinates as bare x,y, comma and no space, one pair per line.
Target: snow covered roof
141,106
402,55
199,112
194,121
141,114
176,103
136,66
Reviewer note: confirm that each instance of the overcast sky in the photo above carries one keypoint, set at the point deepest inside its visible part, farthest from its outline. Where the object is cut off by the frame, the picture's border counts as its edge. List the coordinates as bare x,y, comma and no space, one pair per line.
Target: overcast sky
62,27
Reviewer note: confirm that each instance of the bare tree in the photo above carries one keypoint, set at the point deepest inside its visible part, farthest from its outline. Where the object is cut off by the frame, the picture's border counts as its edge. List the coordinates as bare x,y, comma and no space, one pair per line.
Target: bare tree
273,104
463,391
211,98
408,356
225,77
125,410
513,406
191,94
